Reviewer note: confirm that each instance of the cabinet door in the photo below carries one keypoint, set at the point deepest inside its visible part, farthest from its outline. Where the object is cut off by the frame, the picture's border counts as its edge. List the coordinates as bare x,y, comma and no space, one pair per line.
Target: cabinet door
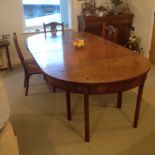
95,27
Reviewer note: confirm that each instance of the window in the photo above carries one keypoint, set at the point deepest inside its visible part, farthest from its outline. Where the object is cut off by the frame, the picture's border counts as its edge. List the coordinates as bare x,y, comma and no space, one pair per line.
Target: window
38,11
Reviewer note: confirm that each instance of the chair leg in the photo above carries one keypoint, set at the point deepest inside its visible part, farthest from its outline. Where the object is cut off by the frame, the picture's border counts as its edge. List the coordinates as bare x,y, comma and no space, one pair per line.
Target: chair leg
27,84
119,100
25,81
69,116
54,89
45,77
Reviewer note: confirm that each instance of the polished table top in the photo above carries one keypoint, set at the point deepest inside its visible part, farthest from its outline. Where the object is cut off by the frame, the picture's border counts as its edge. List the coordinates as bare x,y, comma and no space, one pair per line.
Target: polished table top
99,61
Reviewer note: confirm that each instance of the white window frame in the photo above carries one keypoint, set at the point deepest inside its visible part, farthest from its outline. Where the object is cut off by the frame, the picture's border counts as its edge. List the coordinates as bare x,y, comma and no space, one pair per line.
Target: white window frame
40,28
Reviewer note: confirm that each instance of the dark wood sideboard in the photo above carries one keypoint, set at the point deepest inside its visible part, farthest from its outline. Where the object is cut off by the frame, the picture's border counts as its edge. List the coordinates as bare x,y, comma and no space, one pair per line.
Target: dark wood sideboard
94,24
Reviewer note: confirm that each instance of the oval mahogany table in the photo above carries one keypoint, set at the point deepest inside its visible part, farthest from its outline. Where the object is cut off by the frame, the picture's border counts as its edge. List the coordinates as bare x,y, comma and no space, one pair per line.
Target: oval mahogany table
99,67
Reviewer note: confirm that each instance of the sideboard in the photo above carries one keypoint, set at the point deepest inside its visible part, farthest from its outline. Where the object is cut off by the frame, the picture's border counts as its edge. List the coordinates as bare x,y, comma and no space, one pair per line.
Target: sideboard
94,24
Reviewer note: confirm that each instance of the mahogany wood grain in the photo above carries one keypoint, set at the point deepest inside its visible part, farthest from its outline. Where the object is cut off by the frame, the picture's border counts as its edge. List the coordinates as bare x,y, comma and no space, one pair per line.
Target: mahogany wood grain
99,67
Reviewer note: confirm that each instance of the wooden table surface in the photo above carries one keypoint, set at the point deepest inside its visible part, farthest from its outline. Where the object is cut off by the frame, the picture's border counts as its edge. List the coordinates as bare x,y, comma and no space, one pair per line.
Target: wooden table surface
97,68
100,61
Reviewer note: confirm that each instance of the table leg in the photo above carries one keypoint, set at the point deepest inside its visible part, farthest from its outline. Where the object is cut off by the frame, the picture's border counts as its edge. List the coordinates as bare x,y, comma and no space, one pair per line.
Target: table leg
54,89
86,116
119,100
138,104
8,57
69,117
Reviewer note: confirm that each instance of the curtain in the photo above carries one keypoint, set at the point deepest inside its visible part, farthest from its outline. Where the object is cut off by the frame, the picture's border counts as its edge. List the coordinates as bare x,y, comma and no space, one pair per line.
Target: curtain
65,4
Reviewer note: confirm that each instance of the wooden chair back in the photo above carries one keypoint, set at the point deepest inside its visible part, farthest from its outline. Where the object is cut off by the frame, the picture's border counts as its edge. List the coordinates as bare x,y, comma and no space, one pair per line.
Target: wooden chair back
18,50
110,33
53,27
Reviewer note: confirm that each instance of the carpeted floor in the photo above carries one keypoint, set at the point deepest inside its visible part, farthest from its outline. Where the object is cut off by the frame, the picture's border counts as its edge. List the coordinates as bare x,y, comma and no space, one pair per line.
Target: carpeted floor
41,126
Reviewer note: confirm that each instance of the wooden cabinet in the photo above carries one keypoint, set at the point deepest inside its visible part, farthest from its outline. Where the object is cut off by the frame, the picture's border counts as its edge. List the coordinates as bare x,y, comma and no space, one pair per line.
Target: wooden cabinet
94,24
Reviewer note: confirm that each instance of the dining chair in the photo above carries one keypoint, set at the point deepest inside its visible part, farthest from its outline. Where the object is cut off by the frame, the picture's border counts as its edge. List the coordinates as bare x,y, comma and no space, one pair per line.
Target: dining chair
30,66
110,33
53,27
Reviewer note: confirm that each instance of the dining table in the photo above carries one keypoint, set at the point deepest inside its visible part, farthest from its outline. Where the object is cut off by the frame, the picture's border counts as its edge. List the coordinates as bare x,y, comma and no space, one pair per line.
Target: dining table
98,67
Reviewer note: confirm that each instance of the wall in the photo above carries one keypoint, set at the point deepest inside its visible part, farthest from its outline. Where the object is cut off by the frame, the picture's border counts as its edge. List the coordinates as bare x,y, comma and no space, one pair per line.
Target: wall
143,21
152,56
11,21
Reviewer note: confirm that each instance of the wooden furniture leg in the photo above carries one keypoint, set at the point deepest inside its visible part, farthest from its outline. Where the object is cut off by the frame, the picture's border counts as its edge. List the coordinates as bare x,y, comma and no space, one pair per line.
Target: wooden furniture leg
138,104
86,116
69,117
27,84
119,100
25,81
8,57
54,89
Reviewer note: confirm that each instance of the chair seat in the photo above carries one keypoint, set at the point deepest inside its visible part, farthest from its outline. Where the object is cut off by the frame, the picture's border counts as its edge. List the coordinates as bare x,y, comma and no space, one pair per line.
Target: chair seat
32,67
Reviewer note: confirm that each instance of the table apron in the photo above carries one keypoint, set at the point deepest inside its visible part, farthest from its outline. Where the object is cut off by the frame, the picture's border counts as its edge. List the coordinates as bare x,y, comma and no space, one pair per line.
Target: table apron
102,88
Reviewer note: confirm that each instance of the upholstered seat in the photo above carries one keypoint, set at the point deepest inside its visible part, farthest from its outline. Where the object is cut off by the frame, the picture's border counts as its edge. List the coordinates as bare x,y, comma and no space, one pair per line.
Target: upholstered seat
32,66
